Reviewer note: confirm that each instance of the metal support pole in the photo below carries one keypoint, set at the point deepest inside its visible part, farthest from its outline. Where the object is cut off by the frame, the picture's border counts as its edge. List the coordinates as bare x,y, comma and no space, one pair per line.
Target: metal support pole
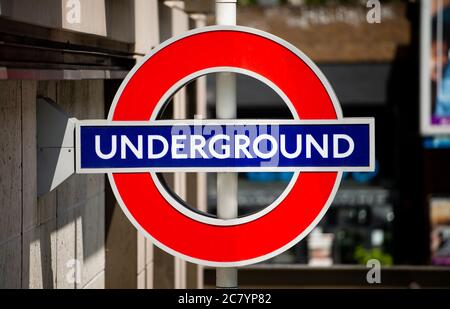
227,207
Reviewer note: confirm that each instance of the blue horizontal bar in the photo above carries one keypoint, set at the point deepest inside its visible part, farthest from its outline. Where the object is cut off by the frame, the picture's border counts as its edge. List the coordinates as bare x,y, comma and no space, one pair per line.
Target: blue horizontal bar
226,147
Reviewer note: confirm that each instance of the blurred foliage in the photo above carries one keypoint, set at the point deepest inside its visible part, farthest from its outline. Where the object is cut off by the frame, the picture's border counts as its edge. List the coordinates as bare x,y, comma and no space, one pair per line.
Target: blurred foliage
314,2
362,256
247,2
322,2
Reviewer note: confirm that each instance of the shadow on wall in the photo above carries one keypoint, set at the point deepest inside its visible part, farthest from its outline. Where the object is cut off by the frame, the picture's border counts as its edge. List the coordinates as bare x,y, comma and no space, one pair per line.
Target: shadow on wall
65,246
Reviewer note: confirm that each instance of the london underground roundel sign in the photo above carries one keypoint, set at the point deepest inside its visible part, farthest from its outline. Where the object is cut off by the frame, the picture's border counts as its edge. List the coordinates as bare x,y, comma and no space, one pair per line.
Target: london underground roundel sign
132,146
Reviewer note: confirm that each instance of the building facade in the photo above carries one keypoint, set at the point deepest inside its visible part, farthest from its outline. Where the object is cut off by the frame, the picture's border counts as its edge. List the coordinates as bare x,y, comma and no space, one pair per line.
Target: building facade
76,53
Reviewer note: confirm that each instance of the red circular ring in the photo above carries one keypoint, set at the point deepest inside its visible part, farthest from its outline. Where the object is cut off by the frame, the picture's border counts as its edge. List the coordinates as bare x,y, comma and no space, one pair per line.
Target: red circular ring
268,235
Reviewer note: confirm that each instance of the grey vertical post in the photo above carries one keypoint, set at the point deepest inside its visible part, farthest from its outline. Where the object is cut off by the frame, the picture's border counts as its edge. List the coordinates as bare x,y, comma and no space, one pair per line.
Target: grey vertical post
227,207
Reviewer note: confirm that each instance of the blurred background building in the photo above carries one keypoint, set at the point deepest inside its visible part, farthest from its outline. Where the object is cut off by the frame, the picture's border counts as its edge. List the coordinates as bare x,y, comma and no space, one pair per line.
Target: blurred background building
76,53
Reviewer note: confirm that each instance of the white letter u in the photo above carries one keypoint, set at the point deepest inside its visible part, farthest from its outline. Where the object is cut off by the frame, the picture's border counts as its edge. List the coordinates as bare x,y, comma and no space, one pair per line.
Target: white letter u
99,152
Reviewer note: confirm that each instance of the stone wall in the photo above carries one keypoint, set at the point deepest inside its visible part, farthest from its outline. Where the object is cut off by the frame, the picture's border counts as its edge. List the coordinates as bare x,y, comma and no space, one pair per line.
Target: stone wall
57,240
